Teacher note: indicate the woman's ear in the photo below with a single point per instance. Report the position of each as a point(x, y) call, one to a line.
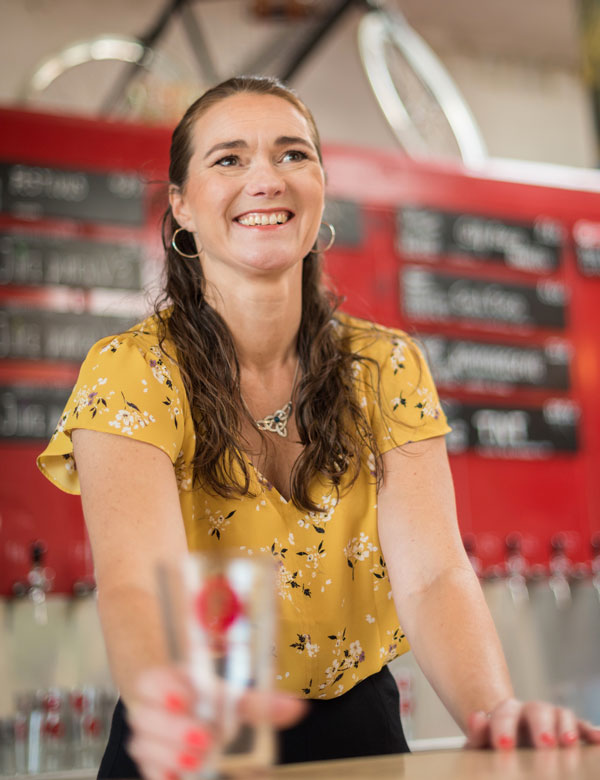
point(179, 208)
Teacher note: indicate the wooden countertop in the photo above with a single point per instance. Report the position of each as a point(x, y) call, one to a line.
point(578, 763)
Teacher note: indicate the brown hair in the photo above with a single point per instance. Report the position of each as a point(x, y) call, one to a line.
point(331, 424)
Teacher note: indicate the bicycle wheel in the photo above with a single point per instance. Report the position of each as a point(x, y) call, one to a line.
point(160, 90)
point(417, 95)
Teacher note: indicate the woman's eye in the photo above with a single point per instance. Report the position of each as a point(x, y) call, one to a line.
point(294, 156)
point(227, 162)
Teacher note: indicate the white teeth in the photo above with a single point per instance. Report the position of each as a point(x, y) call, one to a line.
point(275, 218)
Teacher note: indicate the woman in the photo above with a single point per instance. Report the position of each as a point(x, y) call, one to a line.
point(249, 414)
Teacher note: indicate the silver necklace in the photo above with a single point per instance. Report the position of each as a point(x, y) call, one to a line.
point(277, 422)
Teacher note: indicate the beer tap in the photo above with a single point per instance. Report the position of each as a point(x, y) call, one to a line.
point(517, 569)
point(596, 562)
point(37, 584)
point(560, 571)
point(84, 587)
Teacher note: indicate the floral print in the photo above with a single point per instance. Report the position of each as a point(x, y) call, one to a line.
point(397, 356)
point(358, 549)
point(318, 520)
point(344, 659)
point(217, 523)
point(91, 399)
point(130, 418)
point(159, 369)
point(337, 621)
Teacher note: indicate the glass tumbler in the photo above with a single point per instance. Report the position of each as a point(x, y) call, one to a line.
point(219, 622)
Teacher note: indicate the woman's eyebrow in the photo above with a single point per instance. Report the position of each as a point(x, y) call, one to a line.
point(287, 140)
point(238, 144)
point(282, 140)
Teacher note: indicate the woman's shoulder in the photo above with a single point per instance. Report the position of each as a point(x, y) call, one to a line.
point(148, 335)
point(368, 338)
point(135, 354)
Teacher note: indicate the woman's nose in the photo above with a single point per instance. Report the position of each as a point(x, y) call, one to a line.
point(265, 180)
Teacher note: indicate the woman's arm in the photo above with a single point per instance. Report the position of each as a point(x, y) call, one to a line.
point(443, 612)
point(437, 595)
point(131, 506)
point(132, 512)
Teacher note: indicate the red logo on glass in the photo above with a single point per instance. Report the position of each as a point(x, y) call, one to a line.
point(217, 605)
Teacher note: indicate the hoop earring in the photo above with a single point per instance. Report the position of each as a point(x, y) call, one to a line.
point(331, 240)
point(178, 250)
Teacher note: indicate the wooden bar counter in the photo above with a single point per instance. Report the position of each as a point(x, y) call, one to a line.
point(578, 763)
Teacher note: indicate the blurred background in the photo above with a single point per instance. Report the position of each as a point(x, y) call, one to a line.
point(461, 143)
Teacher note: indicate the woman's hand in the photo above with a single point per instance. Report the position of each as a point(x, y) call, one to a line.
point(167, 740)
point(537, 724)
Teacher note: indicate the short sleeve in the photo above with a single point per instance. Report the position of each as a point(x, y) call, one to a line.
point(128, 387)
point(400, 395)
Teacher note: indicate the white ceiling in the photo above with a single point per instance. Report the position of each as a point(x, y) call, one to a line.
point(542, 31)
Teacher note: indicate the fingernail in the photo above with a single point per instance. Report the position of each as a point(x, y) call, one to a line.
point(547, 739)
point(505, 742)
point(570, 737)
point(171, 776)
point(198, 738)
point(188, 761)
point(174, 702)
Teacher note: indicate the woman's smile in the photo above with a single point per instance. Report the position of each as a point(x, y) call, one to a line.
point(264, 218)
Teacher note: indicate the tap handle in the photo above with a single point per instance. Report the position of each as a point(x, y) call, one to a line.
point(558, 544)
point(38, 553)
point(469, 543)
point(514, 543)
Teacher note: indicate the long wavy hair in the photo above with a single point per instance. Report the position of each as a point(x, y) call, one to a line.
point(332, 427)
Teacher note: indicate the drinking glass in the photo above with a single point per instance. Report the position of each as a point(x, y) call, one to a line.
point(219, 622)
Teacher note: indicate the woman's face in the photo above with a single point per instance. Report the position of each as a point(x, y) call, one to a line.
point(255, 186)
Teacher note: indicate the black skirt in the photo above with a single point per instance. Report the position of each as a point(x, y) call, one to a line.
point(363, 722)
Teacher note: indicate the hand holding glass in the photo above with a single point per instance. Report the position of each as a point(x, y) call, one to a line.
point(218, 613)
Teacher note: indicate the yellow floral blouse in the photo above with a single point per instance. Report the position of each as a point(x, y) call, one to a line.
point(337, 621)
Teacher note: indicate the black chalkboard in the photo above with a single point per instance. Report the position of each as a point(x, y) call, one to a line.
point(35, 192)
point(586, 236)
point(30, 412)
point(588, 260)
point(429, 233)
point(513, 432)
point(28, 259)
point(479, 366)
point(36, 334)
point(449, 298)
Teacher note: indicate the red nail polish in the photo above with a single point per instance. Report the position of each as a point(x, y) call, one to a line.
point(174, 702)
point(570, 737)
point(171, 776)
point(188, 761)
point(547, 739)
point(198, 738)
point(505, 742)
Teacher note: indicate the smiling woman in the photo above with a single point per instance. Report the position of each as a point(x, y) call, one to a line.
point(249, 414)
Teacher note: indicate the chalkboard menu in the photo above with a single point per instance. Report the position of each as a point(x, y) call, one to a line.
point(30, 412)
point(480, 366)
point(38, 334)
point(586, 235)
point(450, 298)
point(430, 233)
point(36, 192)
point(513, 432)
point(31, 259)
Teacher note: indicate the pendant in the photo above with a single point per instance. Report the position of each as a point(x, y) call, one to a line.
point(276, 422)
